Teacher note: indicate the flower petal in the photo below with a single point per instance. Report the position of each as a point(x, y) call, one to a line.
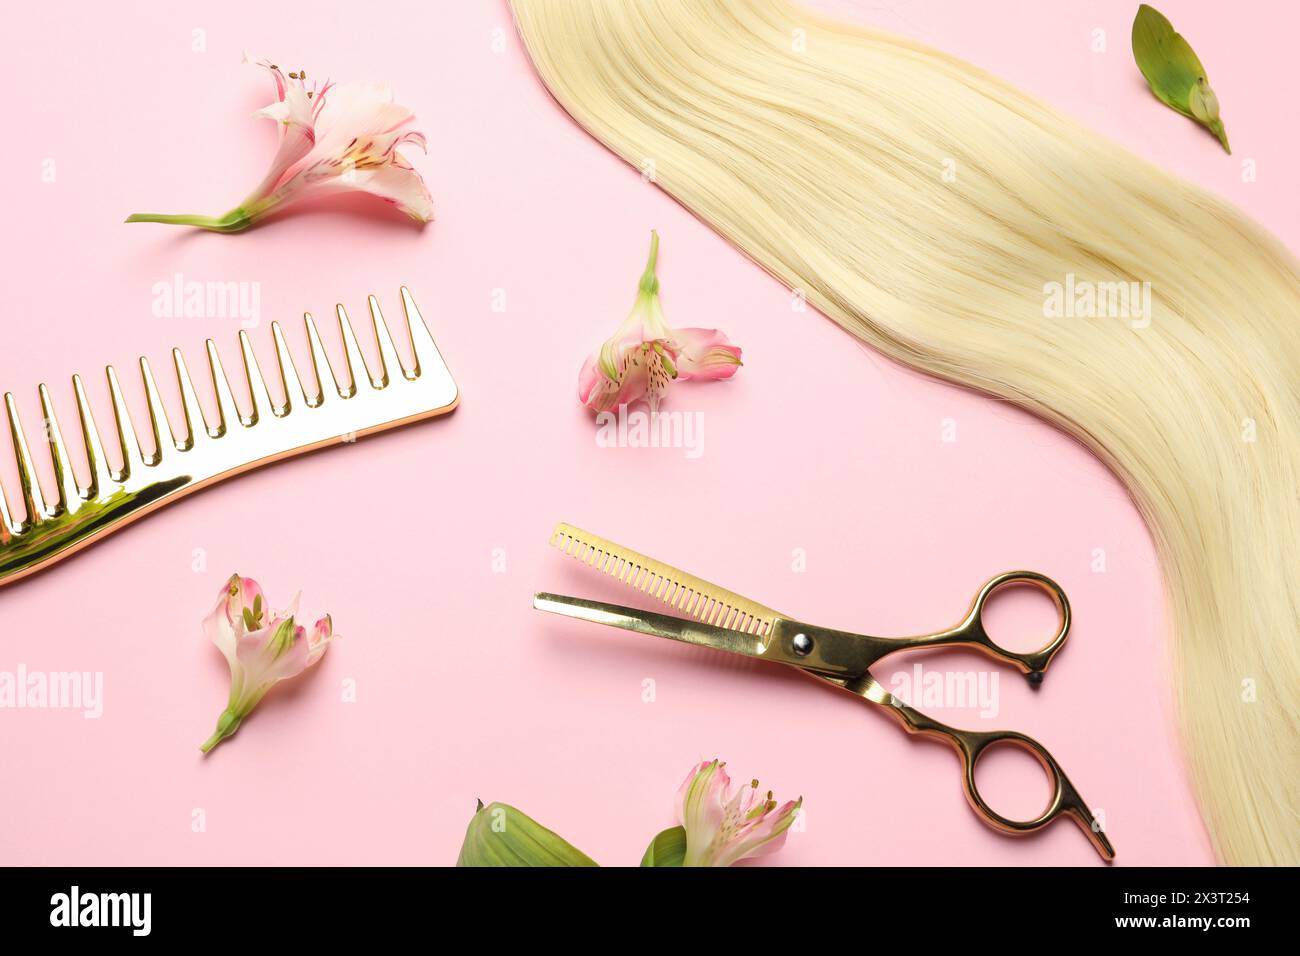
point(589, 378)
point(319, 640)
point(358, 110)
point(294, 112)
point(296, 141)
point(399, 185)
point(265, 664)
point(603, 394)
point(722, 827)
point(767, 836)
point(389, 177)
point(705, 354)
point(220, 626)
point(700, 809)
point(644, 323)
point(239, 604)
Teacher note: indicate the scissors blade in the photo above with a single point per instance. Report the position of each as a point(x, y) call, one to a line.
point(867, 686)
point(689, 595)
point(656, 625)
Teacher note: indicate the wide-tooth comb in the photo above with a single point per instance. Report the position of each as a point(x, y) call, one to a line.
point(206, 453)
point(684, 592)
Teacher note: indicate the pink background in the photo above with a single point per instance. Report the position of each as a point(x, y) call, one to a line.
point(463, 691)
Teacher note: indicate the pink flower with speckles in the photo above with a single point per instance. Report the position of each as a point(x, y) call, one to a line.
point(723, 827)
point(333, 138)
point(645, 355)
point(262, 647)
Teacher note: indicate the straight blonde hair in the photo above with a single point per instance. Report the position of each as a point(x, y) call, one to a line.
point(820, 150)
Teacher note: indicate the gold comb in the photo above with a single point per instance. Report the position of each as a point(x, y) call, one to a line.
point(693, 596)
point(207, 454)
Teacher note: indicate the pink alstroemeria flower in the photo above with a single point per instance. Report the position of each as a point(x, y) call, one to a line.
point(262, 647)
point(723, 828)
point(332, 139)
point(645, 355)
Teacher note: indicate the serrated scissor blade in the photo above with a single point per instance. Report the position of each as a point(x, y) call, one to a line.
point(692, 596)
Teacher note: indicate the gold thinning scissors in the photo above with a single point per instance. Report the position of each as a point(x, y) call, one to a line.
point(725, 621)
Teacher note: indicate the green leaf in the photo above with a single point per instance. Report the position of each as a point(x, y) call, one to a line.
point(1174, 72)
point(666, 849)
point(500, 835)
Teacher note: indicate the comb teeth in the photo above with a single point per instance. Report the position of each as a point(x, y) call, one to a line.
point(683, 592)
point(208, 452)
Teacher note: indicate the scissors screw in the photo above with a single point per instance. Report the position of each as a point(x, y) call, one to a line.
point(803, 644)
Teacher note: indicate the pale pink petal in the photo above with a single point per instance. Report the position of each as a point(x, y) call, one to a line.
point(399, 185)
point(715, 795)
point(396, 183)
point(644, 323)
point(764, 836)
point(294, 113)
point(223, 625)
point(262, 665)
point(415, 139)
point(319, 640)
point(589, 378)
point(296, 142)
point(247, 593)
point(705, 354)
point(355, 111)
point(700, 805)
point(722, 827)
point(236, 596)
point(294, 107)
point(606, 394)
